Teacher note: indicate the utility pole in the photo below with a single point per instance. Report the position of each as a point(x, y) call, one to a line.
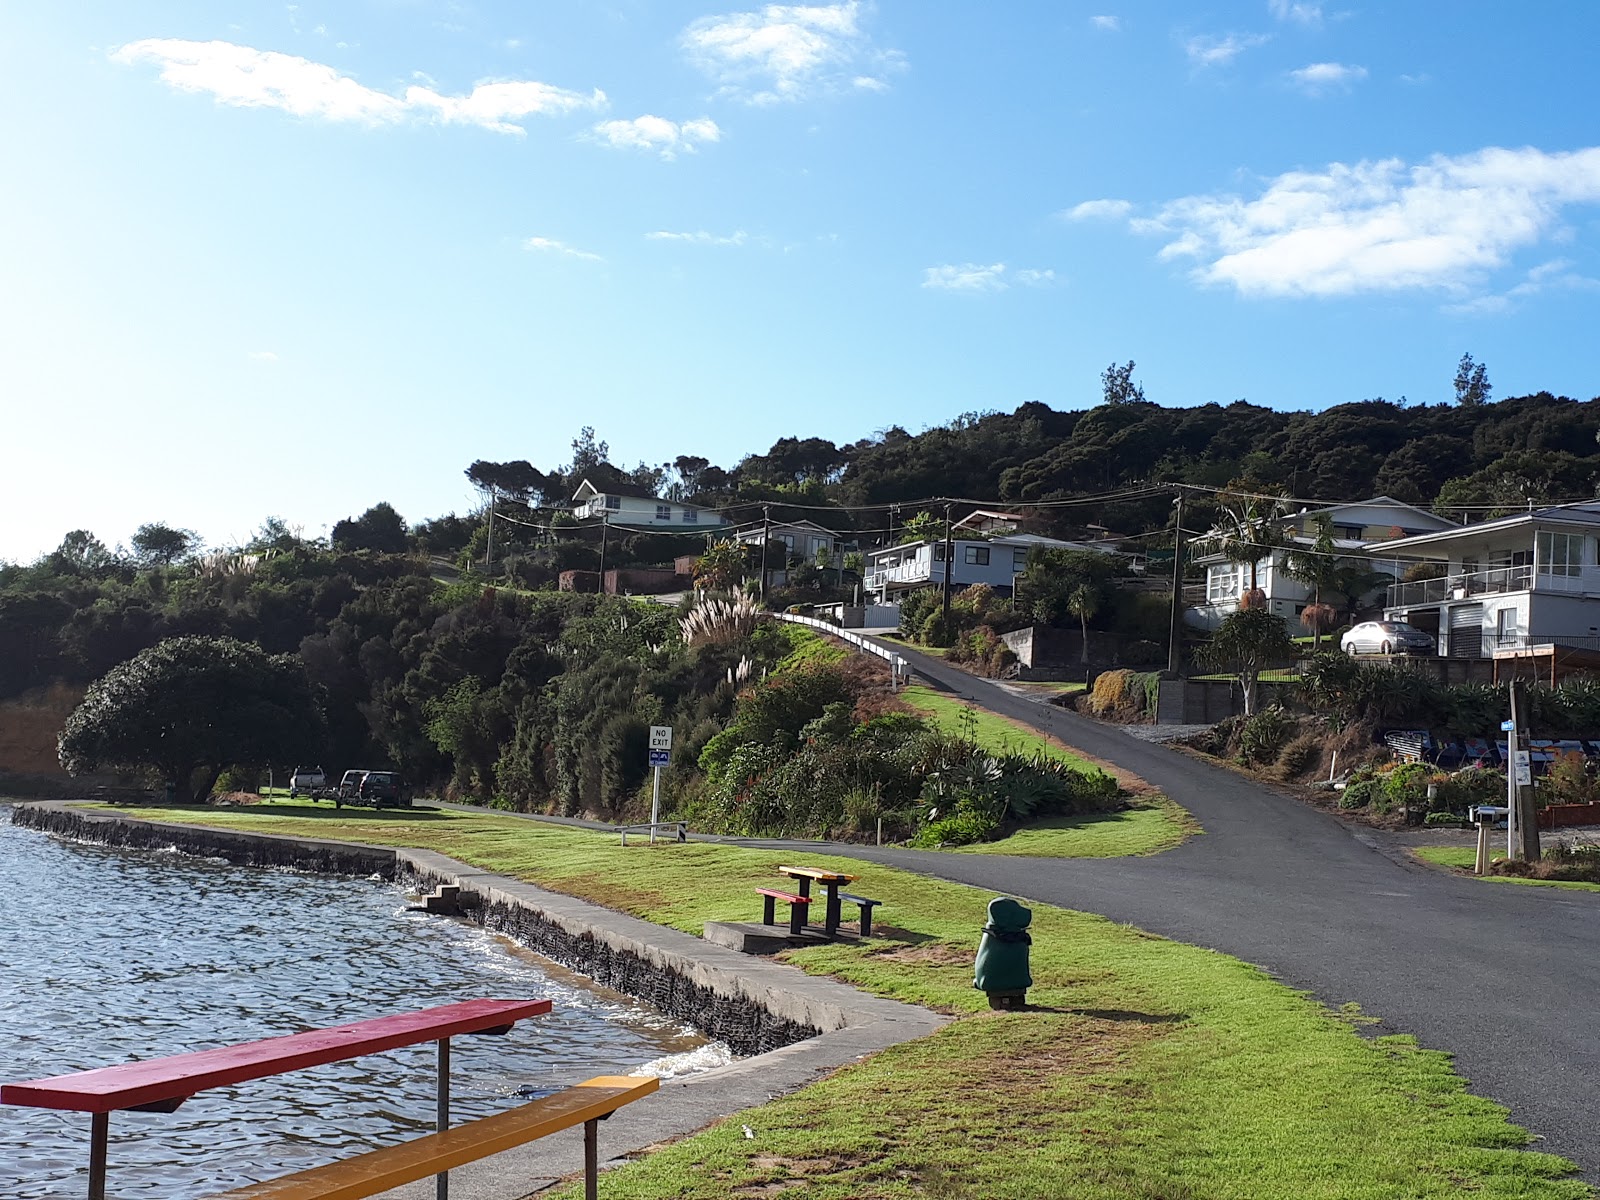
point(949, 553)
point(605, 530)
point(1522, 821)
point(488, 551)
point(766, 536)
point(1175, 631)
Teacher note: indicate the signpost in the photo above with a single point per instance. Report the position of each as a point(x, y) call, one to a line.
point(660, 756)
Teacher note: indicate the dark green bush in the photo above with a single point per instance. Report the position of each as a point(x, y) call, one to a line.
point(1262, 736)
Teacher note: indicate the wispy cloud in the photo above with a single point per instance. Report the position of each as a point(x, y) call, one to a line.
point(1108, 23)
point(1299, 12)
point(976, 278)
point(1097, 210)
point(262, 356)
point(248, 78)
point(1555, 275)
point(1318, 79)
point(1212, 50)
point(701, 237)
point(788, 52)
point(1447, 223)
point(658, 135)
point(546, 245)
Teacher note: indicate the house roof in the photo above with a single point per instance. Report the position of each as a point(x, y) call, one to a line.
point(1584, 515)
point(1017, 540)
point(990, 514)
point(633, 490)
point(1430, 518)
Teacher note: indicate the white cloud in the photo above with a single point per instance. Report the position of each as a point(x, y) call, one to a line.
point(552, 246)
point(701, 238)
point(1107, 23)
point(1555, 275)
point(1097, 210)
point(1320, 78)
point(262, 356)
point(1301, 12)
point(1212, 51)
point(248, 78)
point(968, 277)
point(658, 134)
point(788, 52)
point(1381, 226)
point(977, 278)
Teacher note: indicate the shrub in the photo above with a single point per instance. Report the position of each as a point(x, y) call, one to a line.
point(936, 631)
point(1407, 786)
point(1110, 692)
point(914, 609)
point(1299, 755)
point(1470, 786)
point(1262, 736)
point(1362, 789)
point(1143, 653)
point(1568, 780)
point(1442, 818)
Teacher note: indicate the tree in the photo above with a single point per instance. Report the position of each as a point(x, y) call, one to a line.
point(190, 706)
point(379, 528)
point(1472, 382)
point(587, 454)
point(721, 568)
point(1316, 566)
point(81, 551)
point(1248, 529)
point(1245, 644)
point(158, 545)
point(1082, 603)
point(516, 480)
point(1117, 383)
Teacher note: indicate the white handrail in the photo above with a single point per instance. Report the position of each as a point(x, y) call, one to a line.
point(898, 667)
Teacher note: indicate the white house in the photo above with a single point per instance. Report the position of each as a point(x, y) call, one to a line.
point(637, 508)
point(802, 539)
point(1529, 579)
point(995, 561)
point(988, 522)
point(1370, 527)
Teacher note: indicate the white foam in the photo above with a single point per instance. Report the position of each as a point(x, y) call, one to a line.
point(701, 1058)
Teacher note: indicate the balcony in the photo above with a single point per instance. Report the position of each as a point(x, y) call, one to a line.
point(1572, 581)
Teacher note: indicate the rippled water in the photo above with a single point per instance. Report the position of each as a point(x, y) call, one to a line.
point(107, 956)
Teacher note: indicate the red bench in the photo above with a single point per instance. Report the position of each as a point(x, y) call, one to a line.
point(162, 1084)
point(797, 908)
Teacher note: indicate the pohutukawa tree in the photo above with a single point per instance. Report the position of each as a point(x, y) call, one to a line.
point(190, 706)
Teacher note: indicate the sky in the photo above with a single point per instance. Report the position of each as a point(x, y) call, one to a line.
point(294, 259)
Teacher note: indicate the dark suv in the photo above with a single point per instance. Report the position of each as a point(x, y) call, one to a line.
point(382, 789)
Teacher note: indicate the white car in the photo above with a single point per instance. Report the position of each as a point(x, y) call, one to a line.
point(306, 779)
point(1387, 637)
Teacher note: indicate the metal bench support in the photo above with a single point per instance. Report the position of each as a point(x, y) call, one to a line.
point(441, 1181)
point(591, 1160)
point(99, 1136)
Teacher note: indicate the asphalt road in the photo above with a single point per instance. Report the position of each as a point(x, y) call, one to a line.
point(1501, 976)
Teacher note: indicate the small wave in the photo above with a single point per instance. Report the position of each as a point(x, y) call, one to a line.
point(691, 1062)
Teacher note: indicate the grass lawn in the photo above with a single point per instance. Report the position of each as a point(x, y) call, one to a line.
point(1153, 825)
point(1463, 858)
point(1149, 1070)
point(1266, 677)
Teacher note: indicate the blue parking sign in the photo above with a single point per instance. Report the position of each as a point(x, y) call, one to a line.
point(660, 758)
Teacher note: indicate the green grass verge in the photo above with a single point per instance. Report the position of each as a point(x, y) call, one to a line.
point(1149, 1070)
point(1463, 858)
point(1152, 825)
point(809, 648)
point(1266, 677)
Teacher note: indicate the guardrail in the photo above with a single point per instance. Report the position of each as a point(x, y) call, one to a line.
point(899, 669)
point(680, 829)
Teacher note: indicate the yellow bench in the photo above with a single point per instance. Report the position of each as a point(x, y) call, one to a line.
point(377, 1171)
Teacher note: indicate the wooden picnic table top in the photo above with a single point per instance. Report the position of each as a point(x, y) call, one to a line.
point(816, 873)
point(162, 1081)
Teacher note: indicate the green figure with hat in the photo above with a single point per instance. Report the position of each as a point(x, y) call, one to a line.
point(1001, 968)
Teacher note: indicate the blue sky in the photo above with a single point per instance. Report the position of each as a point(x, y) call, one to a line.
point(295, 259)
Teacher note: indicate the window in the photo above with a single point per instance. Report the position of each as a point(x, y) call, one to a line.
point(977, 556)
point(1019, 561)
point(938, 552)
point(1222, 583)
point(1505, 626)
point(1560, 553)
point(691, 516)
point(663, 512)
point(613, 502)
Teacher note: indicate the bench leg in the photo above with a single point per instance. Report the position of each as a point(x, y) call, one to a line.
point(830, 919)
point(866, 920)
point(769, 914)
point(797, 917)
point(441, 1181)
point(591, 1160)
point(99, 1137)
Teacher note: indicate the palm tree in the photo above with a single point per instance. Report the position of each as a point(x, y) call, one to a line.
point(1248, 529)
point(1319, 568)
point(1083, 602)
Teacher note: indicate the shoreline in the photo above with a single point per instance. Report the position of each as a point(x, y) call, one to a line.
point(794, 1026)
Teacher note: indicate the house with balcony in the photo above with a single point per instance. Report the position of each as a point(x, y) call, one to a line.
point(1367, 528)
point(638, 509)
point(997, 561)
point(802, 540)
point(1532, 579)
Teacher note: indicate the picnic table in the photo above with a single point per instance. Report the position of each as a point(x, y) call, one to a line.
point(831, 880)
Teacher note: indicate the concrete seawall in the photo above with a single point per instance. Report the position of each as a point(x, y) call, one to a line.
point(795, 1026)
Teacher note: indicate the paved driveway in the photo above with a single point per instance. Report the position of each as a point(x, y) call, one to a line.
point(1502, 976)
